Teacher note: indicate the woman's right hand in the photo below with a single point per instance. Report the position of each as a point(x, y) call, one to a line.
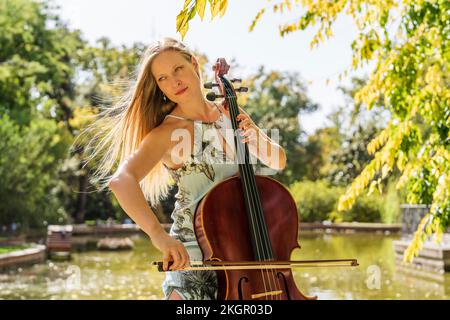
point(172, 250)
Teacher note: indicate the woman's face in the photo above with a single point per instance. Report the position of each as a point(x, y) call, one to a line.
point(175, 76)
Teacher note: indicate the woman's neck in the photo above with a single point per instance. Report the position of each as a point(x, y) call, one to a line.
point(197, 110)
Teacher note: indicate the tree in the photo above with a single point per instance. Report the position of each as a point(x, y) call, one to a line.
point(408, 43)
point(357, 128)
point(321, 145)
point(36, 85)
point(349, 160)
point(29, 173)
point(275, 101)
point(36, 51)
point(105, 68)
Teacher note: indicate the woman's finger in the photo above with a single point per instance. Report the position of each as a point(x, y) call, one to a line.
point(182, 256)
point(176, 259)
point(166, 259)
point(245, 124)
point(186, 258)
point(241, 117)
point(249, 135)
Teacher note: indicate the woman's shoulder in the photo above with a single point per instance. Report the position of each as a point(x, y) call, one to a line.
point(169, 125)
point(164, 132)
point(160, 134)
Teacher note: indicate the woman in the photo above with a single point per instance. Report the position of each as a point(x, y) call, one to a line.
point(166, 103)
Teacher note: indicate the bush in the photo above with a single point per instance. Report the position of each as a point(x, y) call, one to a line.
point(366, 209)
point(29, 162)
point(317, 201)
point(390, 211)
point(314, 200)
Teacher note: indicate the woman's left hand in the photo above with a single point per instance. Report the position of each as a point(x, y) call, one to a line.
point(249, 130)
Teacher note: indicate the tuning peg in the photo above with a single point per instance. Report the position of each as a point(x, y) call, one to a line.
point(236, 80)
point(210, 85)
point(242, 89)
point(211, 96)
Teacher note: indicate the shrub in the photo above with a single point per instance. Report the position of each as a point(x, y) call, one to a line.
point(314, 200)
point(317, 201)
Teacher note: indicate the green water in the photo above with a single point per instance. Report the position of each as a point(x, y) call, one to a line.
point(128, 274)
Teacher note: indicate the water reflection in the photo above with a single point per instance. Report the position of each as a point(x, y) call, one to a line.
point(128, 274)
point(377, 276)
point(89, 275)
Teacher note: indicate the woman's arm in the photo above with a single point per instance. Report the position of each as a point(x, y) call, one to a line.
point(128, 192)
point(125, 182)
point(126, 188)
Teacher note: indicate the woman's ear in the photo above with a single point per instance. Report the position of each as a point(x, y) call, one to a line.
point(194, 61)
point(196, 67)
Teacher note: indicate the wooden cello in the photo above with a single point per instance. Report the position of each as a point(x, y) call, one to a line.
point(247, 227)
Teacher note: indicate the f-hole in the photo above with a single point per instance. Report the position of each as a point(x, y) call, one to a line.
point(240, 287)
point(285, 284)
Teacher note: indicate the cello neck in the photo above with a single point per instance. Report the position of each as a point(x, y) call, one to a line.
point(262, 248)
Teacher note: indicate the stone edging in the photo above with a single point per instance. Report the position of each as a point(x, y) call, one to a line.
point(30, 255)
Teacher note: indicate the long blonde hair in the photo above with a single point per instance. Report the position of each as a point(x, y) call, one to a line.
point(120, 128)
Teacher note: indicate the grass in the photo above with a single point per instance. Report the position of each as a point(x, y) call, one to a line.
point(8, 249)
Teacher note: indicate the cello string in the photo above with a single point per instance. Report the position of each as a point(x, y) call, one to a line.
point(264, 229)
point(244, 176)
point(246, 167)
point(260, 216)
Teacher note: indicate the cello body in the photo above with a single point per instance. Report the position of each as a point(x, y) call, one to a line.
point(224, 233)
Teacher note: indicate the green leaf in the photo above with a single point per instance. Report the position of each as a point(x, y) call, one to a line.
point(191, 13)
point(184, 30)
point(181, 19)
point(257, 18)
point(201, 4)
point(215, 8)
point(223, 7)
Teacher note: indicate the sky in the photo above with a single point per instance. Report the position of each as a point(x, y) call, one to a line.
point(126, 22)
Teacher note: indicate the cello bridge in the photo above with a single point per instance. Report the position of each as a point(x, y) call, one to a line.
point(265, 294)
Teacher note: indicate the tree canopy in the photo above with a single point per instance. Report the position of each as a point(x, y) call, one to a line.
point(407, 41)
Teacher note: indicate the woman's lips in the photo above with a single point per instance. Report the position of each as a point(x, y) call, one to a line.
point(181, 91)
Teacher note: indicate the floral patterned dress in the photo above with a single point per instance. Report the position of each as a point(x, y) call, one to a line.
point(207, 166)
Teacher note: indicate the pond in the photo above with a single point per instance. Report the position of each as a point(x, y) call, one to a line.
point(129, 275)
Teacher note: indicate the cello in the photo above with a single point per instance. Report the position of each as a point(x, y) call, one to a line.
point(247, 227)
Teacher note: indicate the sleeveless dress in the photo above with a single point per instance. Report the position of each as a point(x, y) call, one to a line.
point(207, 166)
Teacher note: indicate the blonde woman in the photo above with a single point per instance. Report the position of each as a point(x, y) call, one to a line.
point(166, 104)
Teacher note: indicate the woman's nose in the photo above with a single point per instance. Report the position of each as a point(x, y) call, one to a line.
point(176, 83)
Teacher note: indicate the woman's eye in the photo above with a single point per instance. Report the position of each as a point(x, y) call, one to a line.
point(176, 69)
